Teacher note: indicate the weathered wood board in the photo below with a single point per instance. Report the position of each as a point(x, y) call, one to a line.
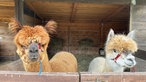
point(138, 19)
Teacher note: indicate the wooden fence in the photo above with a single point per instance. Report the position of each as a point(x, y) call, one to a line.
point(13, 76)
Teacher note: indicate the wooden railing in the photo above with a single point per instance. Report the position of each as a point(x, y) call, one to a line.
point(19, 76)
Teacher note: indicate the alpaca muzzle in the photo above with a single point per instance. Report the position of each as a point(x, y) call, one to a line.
point(33, 52)
point(130, 61)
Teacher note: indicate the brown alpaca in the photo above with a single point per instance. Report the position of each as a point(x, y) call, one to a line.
point(32, 42)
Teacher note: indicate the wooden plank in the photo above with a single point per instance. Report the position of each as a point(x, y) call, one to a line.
point(140, 33)
point(7, 46)
point(116, 12)
point(4, 19)
point(6, 0)
point(9, 58)
point(7, 3)
point(73, 12)
point(140, 2)
point(77, 11)
point(139, 25)
point(20, 76)
point(114, 77)
point(90, 1)
point(19, 5)
point(138, 13)
point(141, 47)
point(6, 10)
point(138, 20)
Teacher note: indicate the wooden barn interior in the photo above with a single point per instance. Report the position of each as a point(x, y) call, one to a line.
point(83, 25)
point(79, 24)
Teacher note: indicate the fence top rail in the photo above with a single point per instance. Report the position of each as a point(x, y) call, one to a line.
point(70, 73)
point(22, 76)
point(43, 73)
point(114, 73)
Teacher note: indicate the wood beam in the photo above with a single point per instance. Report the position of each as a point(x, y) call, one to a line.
point(4, 19)
point(7, 4)
point(19, 11)
point(89, 1)
point(73, 11)
point(113, 13)
point(101, 31)
point(30, 5)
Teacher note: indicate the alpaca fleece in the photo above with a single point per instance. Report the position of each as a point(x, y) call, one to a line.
point(24, 35)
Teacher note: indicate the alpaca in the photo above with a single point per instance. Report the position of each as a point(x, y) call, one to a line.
point(119, 49)
point(32, 42)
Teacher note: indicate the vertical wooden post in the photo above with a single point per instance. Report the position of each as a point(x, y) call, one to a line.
point(101, 34)
point(68, 33)
point(130, 24)
point(19, 5)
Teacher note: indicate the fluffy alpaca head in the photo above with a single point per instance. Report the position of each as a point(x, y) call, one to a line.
point(31, 42)
point(120, 44)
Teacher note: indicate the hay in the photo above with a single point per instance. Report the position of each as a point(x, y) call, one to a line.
point(83, 61)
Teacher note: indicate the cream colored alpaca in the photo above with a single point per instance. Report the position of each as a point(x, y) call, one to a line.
point(119, 50)
point(31, 45)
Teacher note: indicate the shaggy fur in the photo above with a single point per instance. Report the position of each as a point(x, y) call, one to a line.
point(51, 27)
point(116, 44)
point(25, 35)
point(121, 43)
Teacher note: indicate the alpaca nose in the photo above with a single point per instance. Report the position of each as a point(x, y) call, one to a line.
point(33, 51)
point(130, 60)
point(33, 48)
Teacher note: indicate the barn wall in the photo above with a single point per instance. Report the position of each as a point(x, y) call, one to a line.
point(138, 22)
point(72, 33)
point(118, 27)
point(30, 17)
point(7, 10)
point(7, 46)
point(28, 20)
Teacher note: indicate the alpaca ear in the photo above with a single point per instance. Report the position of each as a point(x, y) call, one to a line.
point(131, 34)
point(110, 35)
point(14, 25)
point(51, 27)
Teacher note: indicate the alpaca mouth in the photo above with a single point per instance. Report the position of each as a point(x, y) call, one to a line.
point(34, 59)
point(131, 64)
point(128, 64)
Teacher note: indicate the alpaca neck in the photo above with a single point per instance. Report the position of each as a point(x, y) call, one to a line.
point(112, 66)
point(35, 66)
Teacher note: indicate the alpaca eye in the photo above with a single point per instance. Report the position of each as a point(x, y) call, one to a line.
point(24, 47)
point(114, 50)
point(125, 52)
point(43, 45)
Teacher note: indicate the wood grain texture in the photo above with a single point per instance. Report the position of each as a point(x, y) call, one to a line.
point(7, 10)
point(78, 11)
point(113, 77)
point(7, 46)
point(138, 23)
point(16, 76)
